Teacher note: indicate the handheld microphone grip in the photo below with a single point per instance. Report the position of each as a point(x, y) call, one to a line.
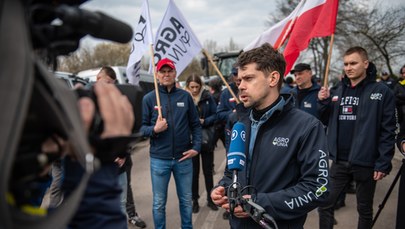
point(236, 161)
point(236, 156)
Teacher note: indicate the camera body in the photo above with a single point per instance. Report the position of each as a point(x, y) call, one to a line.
point(134, 95)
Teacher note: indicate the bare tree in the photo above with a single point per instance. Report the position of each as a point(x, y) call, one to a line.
point(383, 31)
point(193, 68)
point(379, 30)
point(232, 46)
point(211, 46)
point(112, 54)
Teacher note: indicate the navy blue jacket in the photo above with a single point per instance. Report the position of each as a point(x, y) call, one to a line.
point(375, 124)
point(184, 131)
point(309, 103)
point(289, 166)
point(226, 103)
point(207, 109)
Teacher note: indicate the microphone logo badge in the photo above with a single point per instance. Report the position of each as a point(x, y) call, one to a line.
point(243, 135)
point(235, 135)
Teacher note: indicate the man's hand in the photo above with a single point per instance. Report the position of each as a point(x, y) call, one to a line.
point(115, 110)
point(161, 125)
point(239, 212)
point(219, 198)
point(188, 154)
point(379, 175)
point(120, 161)
point(323, 93)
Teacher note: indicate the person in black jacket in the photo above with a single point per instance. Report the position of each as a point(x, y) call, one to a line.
point(206, 107)
point(387, 79)
point(361, 134)
point(286, 150)
point(399, 92)
point(306, 91)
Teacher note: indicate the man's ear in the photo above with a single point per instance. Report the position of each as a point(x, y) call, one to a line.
point(366, 63)
point(274, 78)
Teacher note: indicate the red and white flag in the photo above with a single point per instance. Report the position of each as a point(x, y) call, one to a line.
point(311, 18)
point(175, 39)
point(142, 40)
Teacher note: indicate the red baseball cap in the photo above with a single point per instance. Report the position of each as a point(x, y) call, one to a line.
point(164, 62)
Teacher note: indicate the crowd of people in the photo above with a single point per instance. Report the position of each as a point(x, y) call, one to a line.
point(322, 141)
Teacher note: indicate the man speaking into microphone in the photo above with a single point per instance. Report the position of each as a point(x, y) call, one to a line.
point(286, 150)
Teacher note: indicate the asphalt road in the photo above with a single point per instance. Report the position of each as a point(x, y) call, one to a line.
point(208, 219)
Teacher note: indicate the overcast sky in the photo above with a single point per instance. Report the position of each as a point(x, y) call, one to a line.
point(217, 20)
point(210, 19)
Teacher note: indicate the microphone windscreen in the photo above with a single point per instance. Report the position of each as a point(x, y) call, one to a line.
point(236, 156)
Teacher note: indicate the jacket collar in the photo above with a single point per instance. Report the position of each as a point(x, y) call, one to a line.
point(163, 89)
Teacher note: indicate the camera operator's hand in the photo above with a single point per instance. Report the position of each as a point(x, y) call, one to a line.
point(115, 110)
point(219, 198)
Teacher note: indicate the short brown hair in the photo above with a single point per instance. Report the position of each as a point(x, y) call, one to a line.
point(109, 72)
point(357, 49)
point(267, 60)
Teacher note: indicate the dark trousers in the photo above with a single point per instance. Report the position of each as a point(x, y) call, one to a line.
point(219, 134)
point(207, 159)
point(130, 205)
point(341, 173)
point(401, 199)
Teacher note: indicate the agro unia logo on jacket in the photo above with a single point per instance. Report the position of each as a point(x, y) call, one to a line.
point(281, 141)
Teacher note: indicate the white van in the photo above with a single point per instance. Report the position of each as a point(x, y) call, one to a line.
point(146, 80)
point(91, 74)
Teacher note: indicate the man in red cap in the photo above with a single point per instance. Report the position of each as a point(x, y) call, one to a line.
point(171, 148)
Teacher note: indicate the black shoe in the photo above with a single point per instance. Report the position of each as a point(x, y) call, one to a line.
point(196, 207)
point(225, 215)
point(211, 205)
point(137, 221)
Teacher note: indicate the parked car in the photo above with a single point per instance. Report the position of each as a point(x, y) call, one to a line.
point(91, 74)
point(146, 80)
point(70, 79)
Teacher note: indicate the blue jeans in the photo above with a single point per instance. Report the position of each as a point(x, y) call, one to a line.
point(183, 175)
point(122, 182)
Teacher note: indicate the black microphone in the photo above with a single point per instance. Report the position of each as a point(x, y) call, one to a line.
point(96, 24)
point(236, 160)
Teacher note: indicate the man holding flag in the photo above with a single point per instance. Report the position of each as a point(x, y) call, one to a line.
point(171, 148)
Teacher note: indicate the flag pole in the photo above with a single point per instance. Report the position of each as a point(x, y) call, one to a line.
point(220, 75)
point(326, 79)
point(155, 81)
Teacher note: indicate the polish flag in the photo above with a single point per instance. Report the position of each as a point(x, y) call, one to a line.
point(311, 18)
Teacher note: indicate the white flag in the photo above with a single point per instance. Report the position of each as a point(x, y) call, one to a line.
point(142, 40)
point(278, 33)
point(175, 39)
